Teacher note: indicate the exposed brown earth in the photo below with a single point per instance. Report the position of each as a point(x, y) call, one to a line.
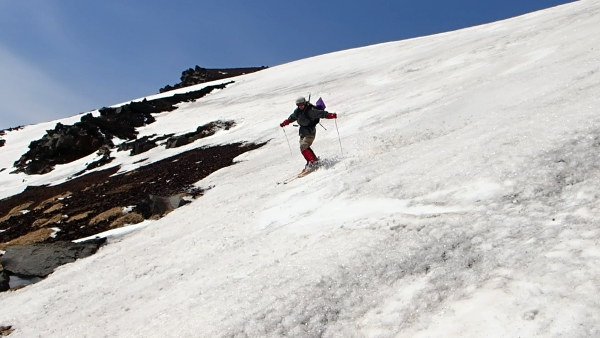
point(90, 204)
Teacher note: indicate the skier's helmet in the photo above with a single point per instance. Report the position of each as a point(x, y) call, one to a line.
point(300, 100)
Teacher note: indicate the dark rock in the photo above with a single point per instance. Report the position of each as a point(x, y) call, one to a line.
point(105, 158)
point(3, 132)
point(211, 128)
point(197, 75)
point(154, 205)
point(138, 146)
point(5, 330)
point(65, 144)
point(201, 132)
point(122, 121)
point(142, 145)
point(3, 281)
point(40, 260)
point(178, 141)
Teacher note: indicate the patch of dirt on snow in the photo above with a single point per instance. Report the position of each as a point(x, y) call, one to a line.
point(75, 207)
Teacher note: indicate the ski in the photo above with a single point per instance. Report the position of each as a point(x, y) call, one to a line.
point(323, 163)
point(304, 173)
point(288, 180)
point(300, 175)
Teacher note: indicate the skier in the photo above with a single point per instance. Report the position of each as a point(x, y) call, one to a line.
point(307, 116)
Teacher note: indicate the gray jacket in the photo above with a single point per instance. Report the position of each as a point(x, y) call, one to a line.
point(307, 118)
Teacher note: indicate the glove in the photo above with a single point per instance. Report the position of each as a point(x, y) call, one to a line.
point(284, 123)
point(332, 116)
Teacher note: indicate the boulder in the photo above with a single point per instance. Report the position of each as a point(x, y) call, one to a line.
point(142, 145)
point(203, 131)
point(156, 206)
point(40, 260)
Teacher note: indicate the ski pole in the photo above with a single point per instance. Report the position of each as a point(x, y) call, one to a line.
point(339, 139)
point(288, 141)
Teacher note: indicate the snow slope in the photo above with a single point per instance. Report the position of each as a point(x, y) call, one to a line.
point(462, 200)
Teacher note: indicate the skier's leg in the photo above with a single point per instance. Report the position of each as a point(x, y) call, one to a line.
point(306, 142)
point(307, 152)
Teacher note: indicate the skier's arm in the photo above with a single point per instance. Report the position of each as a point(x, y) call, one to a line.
point(289, 120)
point(322, 114)
point(293, 117)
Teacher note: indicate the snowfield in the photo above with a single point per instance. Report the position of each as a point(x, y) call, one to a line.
point(462, 199)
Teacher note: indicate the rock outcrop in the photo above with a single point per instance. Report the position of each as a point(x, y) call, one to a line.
point(65, 144)
point(197, 75)
point(40, 260)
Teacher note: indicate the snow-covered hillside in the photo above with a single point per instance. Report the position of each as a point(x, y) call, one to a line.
point(462, 199)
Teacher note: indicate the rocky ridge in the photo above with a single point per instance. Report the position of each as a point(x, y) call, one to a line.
point(197, 75)
point(44, 220)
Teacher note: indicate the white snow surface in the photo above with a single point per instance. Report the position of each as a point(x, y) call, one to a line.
point(461, 200)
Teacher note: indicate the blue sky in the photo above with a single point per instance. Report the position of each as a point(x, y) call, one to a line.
point(59, 58)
